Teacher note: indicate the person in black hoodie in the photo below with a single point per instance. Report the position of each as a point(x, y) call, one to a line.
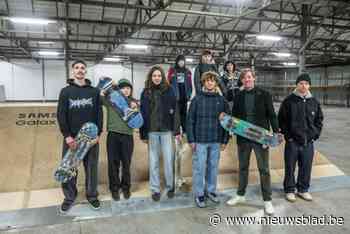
point(300, 119)
point(180, 80)
point(254, 105)
point(206, 64)
point(79, 103)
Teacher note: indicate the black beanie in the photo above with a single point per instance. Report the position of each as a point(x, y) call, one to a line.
point(303, 77)
point(124, 83)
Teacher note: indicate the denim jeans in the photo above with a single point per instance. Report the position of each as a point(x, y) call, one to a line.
point(262, 159)
point(294, 153)
point(205, 162)
point(161, 142)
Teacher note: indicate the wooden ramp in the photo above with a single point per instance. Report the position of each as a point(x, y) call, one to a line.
point(30, 149)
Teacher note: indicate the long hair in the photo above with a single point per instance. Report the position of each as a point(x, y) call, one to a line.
point(245, 71)
point(164, 84)
point(228, 62)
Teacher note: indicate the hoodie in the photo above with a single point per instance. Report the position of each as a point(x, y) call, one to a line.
point(78, 105)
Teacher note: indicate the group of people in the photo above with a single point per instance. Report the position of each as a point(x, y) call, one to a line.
point(164, 107)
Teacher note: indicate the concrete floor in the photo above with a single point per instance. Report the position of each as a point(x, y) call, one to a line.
point(332, 198)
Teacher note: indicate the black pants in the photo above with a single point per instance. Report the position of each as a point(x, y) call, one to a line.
point(183, 113)
point(262, 158)
point(119, 150)
point(304, 155)
point(90, 163)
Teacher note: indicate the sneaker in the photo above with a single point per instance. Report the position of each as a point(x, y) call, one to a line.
point(95, 204)
point(236, 200)
point(200, 202)
point(65, 207)
point(306, 196)
point(116, 195)
point(126, 194)
point(269, 210)
point(155, 196)
point(213, 197)
point(291, 197)
point(171, 194)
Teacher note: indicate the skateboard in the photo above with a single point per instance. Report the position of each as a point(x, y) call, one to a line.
point(179, 153)
point(120, 103)
point(72, 158)
point(249, 131)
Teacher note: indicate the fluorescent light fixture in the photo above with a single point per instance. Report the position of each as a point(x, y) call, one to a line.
point(46, 42)
point(280, 54)
point(136, 47)
point(269, 37)
point(189, 60)
point(162, 30)
point(48, 53)
point(289, 64)
point(39, 21)
point(112, 59)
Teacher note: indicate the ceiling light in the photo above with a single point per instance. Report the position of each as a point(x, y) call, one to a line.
point(280, 54)
point(289, 64)
point(30, 20)
point(189, 60)
point(112, 59)
point(136, 47)
point(268, 37)
point(48, 53)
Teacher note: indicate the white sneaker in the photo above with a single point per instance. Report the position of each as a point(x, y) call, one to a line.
point(306, 196)
point(269, 210)
point(236, 200)
point(290, 197)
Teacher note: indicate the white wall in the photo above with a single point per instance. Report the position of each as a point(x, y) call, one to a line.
point(23, 79)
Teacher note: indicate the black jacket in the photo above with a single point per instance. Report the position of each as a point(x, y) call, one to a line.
point(203, 125)
point(78, 105)
point(300, 119)
point(168, 111)
point(265, 115)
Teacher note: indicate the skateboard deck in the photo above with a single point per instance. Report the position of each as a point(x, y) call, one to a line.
point(120, 104)
point(249, 131)
point(179, 153)
point(72, 158)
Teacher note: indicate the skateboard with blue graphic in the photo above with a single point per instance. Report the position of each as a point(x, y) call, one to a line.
point(249, 131)
point(120, 103)
point(85, 139)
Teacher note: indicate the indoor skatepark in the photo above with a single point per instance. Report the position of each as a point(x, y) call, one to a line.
point(31, 144)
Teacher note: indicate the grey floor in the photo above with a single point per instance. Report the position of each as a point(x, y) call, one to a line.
point(331, 197)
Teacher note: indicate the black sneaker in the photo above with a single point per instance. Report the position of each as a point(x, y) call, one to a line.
point(95, 204)
point(115, 195)
point(171, 194)
point(65, 207)
point(126, 194)
point(155, 196)
point(200, 202)
point(213, 197)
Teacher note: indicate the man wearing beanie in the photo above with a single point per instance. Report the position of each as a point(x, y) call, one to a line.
point(179, 78)
point(120, 145)
point(300, 119)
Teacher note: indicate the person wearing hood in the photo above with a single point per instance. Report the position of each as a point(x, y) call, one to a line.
point(231, 81)
point(78, 104)
point(207, 63)
point(206, 137)
point(179, 77)
point(300, 119)
point(254, 105)
point(160, 114)
point(120, 144)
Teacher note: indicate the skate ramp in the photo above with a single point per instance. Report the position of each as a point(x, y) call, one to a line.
point(31, 144)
